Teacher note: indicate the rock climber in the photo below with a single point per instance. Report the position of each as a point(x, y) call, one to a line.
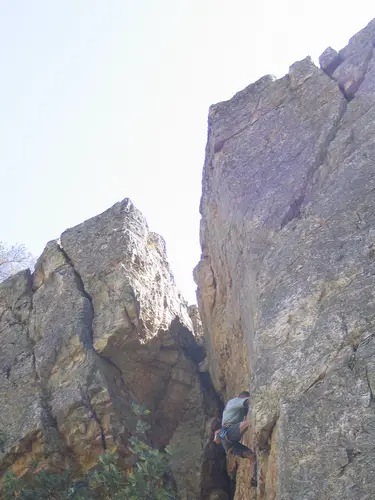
point(234, 425)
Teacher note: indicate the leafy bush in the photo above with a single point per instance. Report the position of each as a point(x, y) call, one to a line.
point(148, 480)
point(149, 477)
point(44, 485)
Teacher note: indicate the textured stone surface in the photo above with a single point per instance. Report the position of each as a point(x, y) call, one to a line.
point(286, 278)
point(101, 324)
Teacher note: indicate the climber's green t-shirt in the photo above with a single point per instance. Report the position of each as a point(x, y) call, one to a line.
point(234, 411)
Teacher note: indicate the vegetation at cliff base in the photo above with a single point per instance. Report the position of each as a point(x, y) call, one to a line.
point(147, 480)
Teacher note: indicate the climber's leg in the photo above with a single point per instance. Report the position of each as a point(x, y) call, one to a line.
point(237, 449)
point(240, 450)
point(244, 426)
point(234, 436)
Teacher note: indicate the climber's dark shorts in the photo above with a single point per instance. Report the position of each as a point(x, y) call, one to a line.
point(234, 432)
point(231, 442)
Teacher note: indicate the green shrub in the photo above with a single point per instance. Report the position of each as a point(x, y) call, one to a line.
point(44, 485)
point(148, 480)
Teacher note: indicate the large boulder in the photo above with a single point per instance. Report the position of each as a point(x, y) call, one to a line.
point(99, 325)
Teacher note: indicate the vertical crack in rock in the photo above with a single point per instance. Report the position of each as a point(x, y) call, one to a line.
point(26, 325)
point(369, 386)
point(186, 340)
point(267, 457)
point(266, 433)
point(55, 442)
point(214, 286)
point(351, 455)
point(295, 208)
point(24, 321)
point(15, 353)
point(81, 288)
point(31, 343)
point(87, 402)
point(256, 115)
point(41, 434)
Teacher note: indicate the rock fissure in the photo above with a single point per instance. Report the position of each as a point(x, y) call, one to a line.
point(295, 208)
point(31, 344)
point(87, 401)
point(81, 288)
point(366, 340)
point(369, 386)
point(214, 286)
point(256, 115)
point(264, 438)
point(351, 455)
point(319, 378)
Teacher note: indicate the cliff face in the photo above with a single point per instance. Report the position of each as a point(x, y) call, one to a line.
point(286, 278)
point(101, 324)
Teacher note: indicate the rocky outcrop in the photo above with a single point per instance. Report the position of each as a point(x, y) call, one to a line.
point(98, 325)
point(286, 278)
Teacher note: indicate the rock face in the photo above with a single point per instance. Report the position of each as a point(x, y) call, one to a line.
point(287, 274)
point(101, 324)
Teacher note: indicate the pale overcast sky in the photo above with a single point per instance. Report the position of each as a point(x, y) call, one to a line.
point(107, 99)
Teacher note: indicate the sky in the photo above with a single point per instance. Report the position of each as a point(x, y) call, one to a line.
point(107, 99)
